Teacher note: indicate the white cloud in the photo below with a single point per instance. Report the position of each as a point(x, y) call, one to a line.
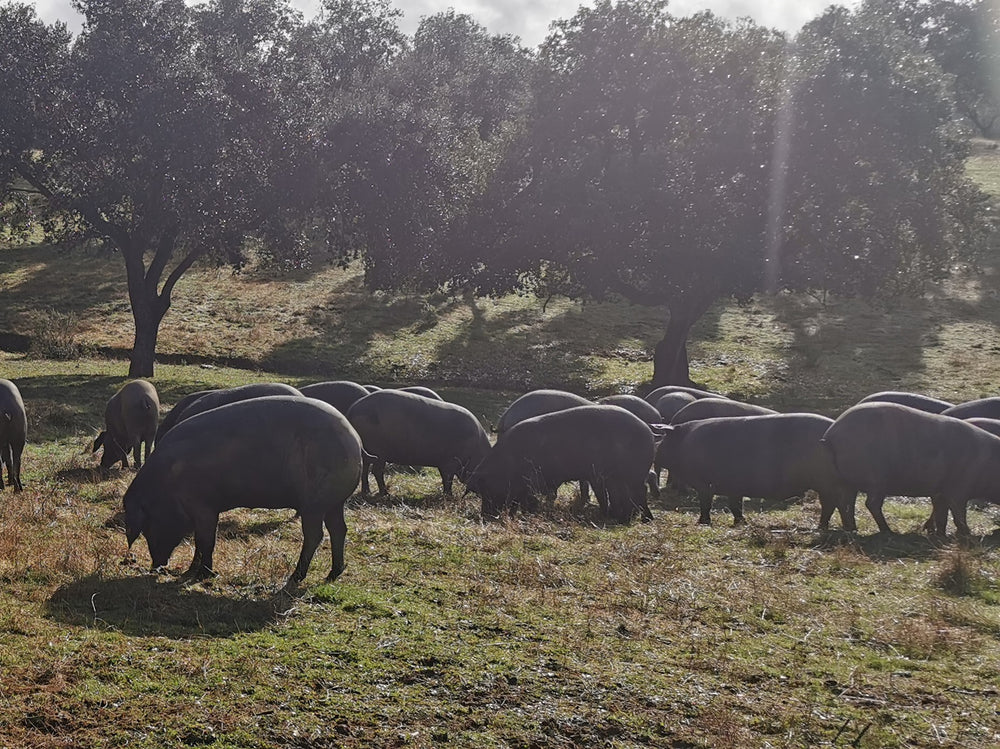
point(530, 19)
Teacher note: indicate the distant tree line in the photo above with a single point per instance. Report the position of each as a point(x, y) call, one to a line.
point(635, 154)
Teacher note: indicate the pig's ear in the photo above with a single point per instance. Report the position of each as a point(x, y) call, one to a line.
point(99, 441)
point(661, 430)
point(135, 519)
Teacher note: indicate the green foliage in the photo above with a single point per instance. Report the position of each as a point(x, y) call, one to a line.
point(477, 77)
point(877, 201)
point(634, 174)
point(668, 161)
point(178, 133)
point(678, 161)
point(356, 40)
point(963, 38)
point(159, 140)
point(32, 61)
point(422, 141)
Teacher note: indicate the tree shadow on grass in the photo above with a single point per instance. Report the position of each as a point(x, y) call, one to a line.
point(90, 279)
point(91, 475)
point(508, 344)
point(888, 546)
point(844, 349)
point(234, 528)
point(522, 348)
point(57, 404)
point(346, 324)
point(877, 546)
point(881, 546)
point(145, 606)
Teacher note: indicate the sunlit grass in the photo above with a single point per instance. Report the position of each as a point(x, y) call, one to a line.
point(984, 166)
point(645, 635)
point(656, 634)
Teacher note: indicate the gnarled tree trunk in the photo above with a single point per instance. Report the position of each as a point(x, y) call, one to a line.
point(150, 302)
point(147, 317)
point(670, 359)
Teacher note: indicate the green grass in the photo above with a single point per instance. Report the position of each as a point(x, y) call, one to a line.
point(540, 631)
point(984, 166)
point(544, 631)
point(784, 351)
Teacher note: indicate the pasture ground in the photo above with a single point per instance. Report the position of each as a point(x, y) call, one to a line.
point(540, 631)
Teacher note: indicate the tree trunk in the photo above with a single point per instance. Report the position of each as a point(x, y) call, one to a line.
point(670, 360)
point(148, 305)
point(147, 317)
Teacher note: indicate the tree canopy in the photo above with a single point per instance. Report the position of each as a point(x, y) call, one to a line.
point(638, 155)
point(963, 38)
point(675, 161)
point(876, 196)
point(428, 132)
point(170, 133)
point(160, 139)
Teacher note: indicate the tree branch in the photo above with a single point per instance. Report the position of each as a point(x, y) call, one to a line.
point(32, 178)
point(164, 251)
point(634, 295)
point(180, 270)
point(118, 235)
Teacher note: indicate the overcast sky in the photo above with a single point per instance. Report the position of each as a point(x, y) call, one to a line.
point(529, 19)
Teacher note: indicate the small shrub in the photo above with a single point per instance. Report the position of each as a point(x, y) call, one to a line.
point(916, 636)
point(960, 573)
point(774, 547)
point(53, 335)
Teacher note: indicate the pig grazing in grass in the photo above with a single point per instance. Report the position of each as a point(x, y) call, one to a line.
point(938, 520)
point(193, 404)
point(772, 456)
point(341, 394)
point(984, 408)
point(223, 397)
point(634, 405)
point(670, 403)
point(887, 449)
point(421, 390)
point(406, 428)
point(697, 410)
point(272, 452)
point(713, 408)
point(654, 396)
point(167, 422)
point(130, 420)
point(536, 403)
point(606, 446)
point(913, 400)
point(13, 433)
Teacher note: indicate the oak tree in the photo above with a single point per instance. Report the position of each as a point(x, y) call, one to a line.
point(680, 161)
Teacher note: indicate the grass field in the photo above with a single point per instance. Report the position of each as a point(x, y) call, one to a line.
point(539, 631)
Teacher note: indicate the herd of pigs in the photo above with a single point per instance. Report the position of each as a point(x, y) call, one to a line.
point(274, 446)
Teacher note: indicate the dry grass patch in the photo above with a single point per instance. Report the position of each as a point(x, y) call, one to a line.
point(537, 630)
point(967, 572)
point(984, 165)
